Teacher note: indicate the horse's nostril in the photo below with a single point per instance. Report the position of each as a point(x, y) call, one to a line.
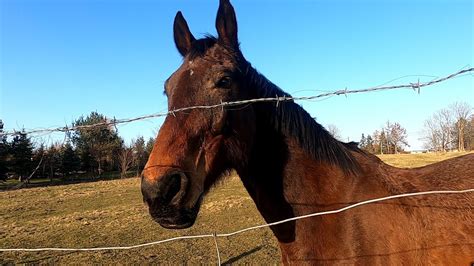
point(172, 188)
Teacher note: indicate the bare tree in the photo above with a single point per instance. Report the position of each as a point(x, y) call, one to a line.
point(432, 135)
point(125, 159)
point(439, 131)
point(380, 142)
point(334, 131)
point(469, 133)
point(398, 136)
point(461, 112)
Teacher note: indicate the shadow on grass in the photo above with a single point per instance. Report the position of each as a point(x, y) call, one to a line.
point(12, 184)
point(38, 260)
point(240, 256)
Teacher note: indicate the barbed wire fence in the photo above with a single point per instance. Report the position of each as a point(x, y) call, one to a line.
point(416, 86)
point(215, 235)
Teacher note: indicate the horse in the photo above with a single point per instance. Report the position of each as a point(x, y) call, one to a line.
point(290, 165)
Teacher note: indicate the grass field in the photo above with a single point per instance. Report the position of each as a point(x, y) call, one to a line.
point(111, 213)
point(417, 160)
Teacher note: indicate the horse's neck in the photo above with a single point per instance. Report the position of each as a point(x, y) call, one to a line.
point(285, 182)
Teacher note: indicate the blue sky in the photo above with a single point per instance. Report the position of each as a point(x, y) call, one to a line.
point(63, 59)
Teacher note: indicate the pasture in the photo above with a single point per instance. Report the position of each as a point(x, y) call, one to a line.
point(111, 213)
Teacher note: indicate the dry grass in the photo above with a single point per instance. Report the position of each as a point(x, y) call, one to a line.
point(111, 213)
point(417, 160)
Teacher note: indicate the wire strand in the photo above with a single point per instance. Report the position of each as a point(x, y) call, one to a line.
point(416, 86)
point(215, 236)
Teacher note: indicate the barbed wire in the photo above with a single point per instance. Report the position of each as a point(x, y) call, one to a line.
point(416, 86)
point(215, 235)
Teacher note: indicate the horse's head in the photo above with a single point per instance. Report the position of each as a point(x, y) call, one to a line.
point(195, 147)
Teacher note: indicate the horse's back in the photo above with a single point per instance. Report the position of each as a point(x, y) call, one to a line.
point(441, 225)
point(452, 174)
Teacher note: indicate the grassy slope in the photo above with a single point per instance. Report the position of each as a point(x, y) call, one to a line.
point(417, 160)
point(111, 213)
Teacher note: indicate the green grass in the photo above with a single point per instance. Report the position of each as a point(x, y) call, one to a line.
point(111, 213)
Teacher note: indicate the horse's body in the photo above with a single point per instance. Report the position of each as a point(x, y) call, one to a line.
point(417, 230)
point(291, 166)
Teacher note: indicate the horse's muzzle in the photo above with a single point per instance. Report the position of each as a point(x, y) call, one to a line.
point(165, 197)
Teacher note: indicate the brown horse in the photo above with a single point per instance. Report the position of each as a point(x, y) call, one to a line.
point(290, 166)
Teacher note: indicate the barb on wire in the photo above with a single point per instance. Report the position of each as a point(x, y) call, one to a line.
point(215, 236)
point(415, 86)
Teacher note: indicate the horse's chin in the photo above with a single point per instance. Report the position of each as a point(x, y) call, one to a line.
point(177, 218)
point(170, 224)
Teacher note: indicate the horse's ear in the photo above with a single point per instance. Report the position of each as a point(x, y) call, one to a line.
point(183, 38)
point(226, 23)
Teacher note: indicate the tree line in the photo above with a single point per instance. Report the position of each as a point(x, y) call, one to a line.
point(86, 152)
point(448, 129)
point(99, 149)
point(390, 139)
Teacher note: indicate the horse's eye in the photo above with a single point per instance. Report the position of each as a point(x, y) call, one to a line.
point(224, 83)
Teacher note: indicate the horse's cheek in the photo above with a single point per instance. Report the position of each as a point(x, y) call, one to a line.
point(212, 151)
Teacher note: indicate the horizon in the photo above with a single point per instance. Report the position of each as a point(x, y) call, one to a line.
point(59, 54)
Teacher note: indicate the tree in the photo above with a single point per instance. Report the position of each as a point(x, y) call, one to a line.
point(469, 134)
point(461, 112)
point(432, 135)
point(363, 142)
point(445, 121)
point(380, 142)
point(369, 144)
point(86, 159)
point(139, 154)
point(70, 161)
point(100, 141)
point(125, 158)
point(149, 148)
point(398, 136)
point(440, 131)
point(39, 160)
point(334, 131)
point(52, 160)
point(4, 153)
point(22, 153)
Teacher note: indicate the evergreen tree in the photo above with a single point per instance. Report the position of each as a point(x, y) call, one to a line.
point(149, 148)
point(4, 153)
point(363, 142)
point(370, 147)
point(52, 161)
point(86, 159)
point(139, 154)
point(22, 153)
point(101, 142)
point(70, 161)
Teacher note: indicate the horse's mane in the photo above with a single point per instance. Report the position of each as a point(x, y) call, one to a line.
point(288, 117)
point(200, 46)
point(292, 120)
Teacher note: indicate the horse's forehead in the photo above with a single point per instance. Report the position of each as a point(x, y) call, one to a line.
point(215, 56)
